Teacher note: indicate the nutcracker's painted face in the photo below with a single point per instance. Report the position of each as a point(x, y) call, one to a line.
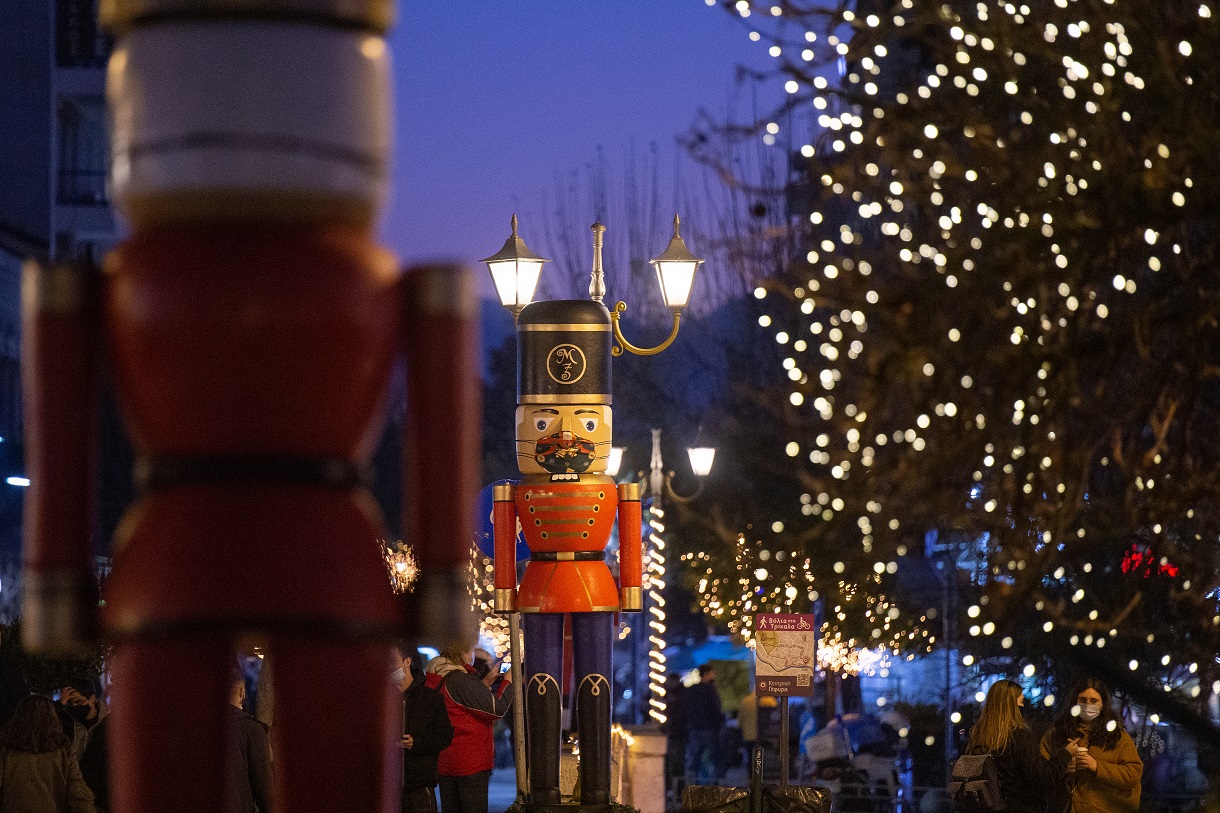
point(563, 438)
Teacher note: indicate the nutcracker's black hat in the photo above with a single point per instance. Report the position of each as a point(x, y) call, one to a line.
point(563, 353)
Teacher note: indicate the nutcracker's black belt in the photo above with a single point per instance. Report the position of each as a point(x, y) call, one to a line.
point(156, 473)
point(569, 556)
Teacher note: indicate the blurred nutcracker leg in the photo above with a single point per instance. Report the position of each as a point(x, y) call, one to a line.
point(168, 737)
point(331, 739)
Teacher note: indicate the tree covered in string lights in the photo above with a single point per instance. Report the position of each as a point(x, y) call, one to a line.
point(1001, 321)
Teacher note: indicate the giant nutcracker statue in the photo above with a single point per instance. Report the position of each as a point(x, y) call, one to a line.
point(566, 506)
point(249, 323)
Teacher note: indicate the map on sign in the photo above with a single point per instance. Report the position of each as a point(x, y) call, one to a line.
point(779, 653)
point(785, 653)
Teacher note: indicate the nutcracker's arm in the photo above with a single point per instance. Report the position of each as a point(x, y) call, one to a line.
point(443, 423)
point(504, 529)
point(61, 326)
point(630, 548)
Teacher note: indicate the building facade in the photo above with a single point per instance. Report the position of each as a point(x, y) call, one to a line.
point(53, 200)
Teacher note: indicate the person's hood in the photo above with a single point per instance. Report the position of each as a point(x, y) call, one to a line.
point(443, 666)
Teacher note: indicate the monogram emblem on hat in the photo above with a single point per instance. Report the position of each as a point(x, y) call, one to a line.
point(565, 363)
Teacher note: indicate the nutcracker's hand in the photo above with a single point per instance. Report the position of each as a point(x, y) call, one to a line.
point(631, 599)
point(505, 600)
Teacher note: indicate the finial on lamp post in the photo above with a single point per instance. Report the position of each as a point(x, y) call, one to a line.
point(597, 284)
point(656, 471)
point(660, 481)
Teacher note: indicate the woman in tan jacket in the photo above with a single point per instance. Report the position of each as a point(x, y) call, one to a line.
point(38, 772)
point(1106, 773)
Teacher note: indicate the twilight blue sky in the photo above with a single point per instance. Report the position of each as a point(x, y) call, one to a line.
point(495, 99)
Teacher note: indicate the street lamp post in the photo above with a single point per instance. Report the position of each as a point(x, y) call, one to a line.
point(660, 484)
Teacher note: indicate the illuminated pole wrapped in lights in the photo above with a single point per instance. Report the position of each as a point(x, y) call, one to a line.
point(701, 458)
point(655, 584)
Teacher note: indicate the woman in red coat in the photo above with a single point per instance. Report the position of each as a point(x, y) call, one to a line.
point(474, 705)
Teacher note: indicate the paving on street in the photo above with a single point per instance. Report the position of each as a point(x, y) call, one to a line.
point(502, 791)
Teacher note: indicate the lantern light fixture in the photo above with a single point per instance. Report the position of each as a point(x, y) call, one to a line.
point(515, 271)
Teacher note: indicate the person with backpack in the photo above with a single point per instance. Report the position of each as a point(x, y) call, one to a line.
point(474, 705)
point(1105, 774)
point(1023, 776)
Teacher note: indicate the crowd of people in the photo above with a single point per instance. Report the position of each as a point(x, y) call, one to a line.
point(53, 750)
point(1085, 763)
point(53, 747)
point(449, 711)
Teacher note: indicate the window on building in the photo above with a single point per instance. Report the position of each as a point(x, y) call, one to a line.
point(78, 42)
point(82, 150)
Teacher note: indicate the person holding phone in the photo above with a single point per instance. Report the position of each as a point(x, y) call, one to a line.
point(426, 731)
point(475, 705)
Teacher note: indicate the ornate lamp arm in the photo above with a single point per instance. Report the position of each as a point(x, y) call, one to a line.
point(675, 496)
point(623, 344)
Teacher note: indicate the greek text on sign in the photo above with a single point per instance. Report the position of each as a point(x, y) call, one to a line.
point(785, 654)
point(784, 622)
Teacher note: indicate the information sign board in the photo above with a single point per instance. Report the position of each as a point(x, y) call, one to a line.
point(785, 654)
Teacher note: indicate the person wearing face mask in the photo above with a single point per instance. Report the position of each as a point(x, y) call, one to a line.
point(1105, 774)
point(464, 768)
point(426, 731)
point(1025, 776)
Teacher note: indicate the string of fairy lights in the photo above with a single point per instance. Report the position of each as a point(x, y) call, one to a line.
point(493, 628)
point(942, 220)
point(754, 589)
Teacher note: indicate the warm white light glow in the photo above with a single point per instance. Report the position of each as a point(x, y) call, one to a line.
point(701, 458)
point(615, 461)
point(515, 280)
point(676, 279)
